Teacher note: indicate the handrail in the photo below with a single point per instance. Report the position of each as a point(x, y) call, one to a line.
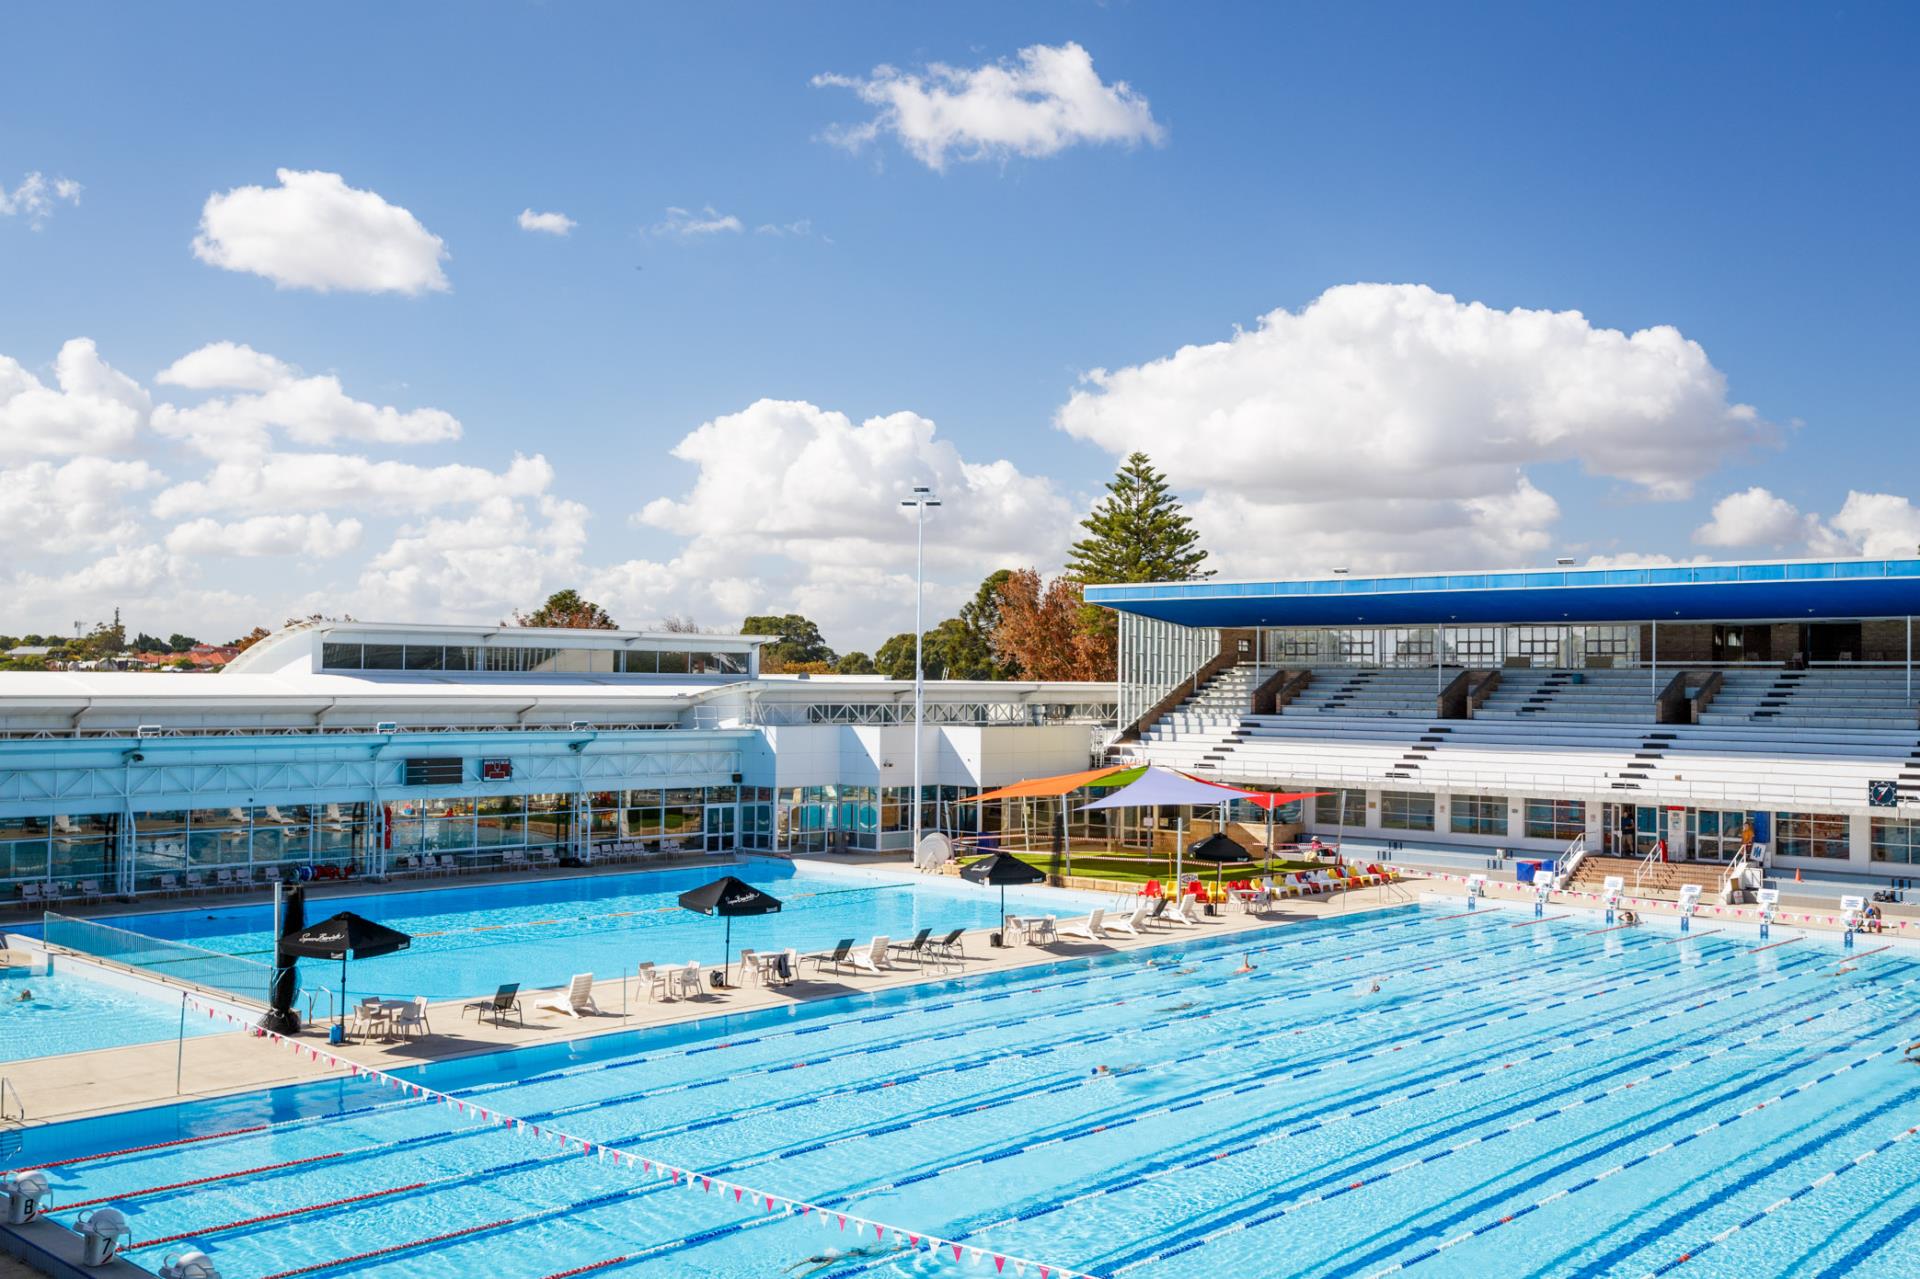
point(1731, 880)
point(310, 992)
point(1639, 872)
point(1571, 858)
point(8, 1086)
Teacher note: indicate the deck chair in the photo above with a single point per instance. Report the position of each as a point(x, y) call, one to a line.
point(873, 959)
point(1089, 928)
point(915, 949)
point(1190, 910)
point(576, 1000)
point(948, 949)
point(840, 954)
point(1133, 923)
point(505, 1000)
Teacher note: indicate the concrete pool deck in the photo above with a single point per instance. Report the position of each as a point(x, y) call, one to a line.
point(102, 1081)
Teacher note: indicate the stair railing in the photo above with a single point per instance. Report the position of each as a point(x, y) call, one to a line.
point(1646, 864)
point(1571, 859)
point(19, 1110)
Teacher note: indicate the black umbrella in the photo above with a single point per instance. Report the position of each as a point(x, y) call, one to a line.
point(286, 970)
point(1219, 850)
point(343, 937)
point(1003, 869)
point(728, 897)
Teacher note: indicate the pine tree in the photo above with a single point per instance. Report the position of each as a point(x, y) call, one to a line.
point(1138, 532)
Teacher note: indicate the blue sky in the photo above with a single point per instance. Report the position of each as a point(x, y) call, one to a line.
point(1741, 173)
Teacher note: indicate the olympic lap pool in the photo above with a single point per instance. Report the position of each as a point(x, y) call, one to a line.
point(66, 1011)
point(468, 940)
point(1517, 1098)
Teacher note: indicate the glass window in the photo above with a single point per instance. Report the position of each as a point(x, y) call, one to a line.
point(1895, 840)
point(340, 657)
point(1340, 808)
point(674, 663)
point(1560, 819)
point(384, 657)
point(500, 821)
point(641, 661)
point(460, 658)
point(1479, 815)
point(426, 657)
point(1811, 835)
point(1406, 810)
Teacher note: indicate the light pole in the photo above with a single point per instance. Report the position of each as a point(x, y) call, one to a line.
point(922, 499)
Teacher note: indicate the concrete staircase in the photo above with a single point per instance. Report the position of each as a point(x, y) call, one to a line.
point(1661, 879)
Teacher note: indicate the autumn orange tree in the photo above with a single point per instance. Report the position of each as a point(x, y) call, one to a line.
point(1046, 631)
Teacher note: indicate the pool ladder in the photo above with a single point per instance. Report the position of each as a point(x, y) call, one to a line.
point(11, 1118)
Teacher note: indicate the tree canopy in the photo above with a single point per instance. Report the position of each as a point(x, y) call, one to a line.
point(1045, 630)
point(568, 610)
point(798, 644)
point(1138, 532)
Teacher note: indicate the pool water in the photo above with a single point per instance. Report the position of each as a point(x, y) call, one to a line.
point(1412, 1091)
point(70, 1013)
point(469, 940)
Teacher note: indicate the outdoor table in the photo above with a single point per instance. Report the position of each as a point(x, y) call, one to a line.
point(1025, 925)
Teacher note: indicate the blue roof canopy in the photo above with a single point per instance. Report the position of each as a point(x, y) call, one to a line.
point(1794, 590)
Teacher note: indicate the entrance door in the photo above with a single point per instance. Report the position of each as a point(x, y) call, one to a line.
point(719, 827)
point(1834, 641)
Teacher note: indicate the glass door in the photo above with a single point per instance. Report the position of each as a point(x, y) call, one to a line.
point(719, 827)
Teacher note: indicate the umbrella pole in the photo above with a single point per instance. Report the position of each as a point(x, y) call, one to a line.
point(726, 956)
point(343, 996)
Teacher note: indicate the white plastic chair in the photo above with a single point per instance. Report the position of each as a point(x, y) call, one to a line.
point(576, 1000)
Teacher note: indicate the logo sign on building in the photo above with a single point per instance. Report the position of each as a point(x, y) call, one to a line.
point(1883, 794)
point(496, 770)
point(436, 771)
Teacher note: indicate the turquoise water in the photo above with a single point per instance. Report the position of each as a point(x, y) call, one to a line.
point(467, 941)
point(68, 1014)
point(1516, 1098)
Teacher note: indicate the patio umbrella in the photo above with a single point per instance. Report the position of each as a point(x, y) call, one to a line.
point(728, 897)
point(286, 969)
point(1219, 850)
point(345, 936)
point(1003, 869)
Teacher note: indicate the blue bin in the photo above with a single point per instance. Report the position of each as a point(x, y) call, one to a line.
point(1524, 870)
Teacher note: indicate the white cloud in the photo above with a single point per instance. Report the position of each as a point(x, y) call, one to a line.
point(1753, 517)
point(1876, 524)
point(311, 410)
point(795, 502)
point(691, 225)
point(278, 483)
point(546, 223)
point(313, 231)
point(1042, 101)
point(318, 536)
point(502, 556)
point(35, 197)
point(1378, 398)
point(804, 227)
point(95, 410)
point(48, 509)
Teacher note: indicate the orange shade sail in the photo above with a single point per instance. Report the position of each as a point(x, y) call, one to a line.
point(1263, 799)
point(1033, 788)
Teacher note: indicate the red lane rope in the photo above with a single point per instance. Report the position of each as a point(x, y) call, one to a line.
point(197, 1181)
point(1542, 919)
point(1754, 950)
point(391, 1248)
point(286, 1212)
point(156, 1145)
point(1611, 928)
point(1668, 941)
point(589, 1268)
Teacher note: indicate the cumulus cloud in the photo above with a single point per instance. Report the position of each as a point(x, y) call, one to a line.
point(546, 223)
point(804, 227)
point(318, 536)
point(285, 482)
point(311, 410)
point(803, 500)
point(1877, 524)
point(313, 231)
point(1041, 101)
point(505, 553)
point(685, 224)
point(48, 508)
point(35, 196)
point(1754, 517)
point(91, 409)
point(1378, 394)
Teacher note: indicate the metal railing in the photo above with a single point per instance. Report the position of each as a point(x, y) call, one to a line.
point(19, 1111)
point(1646, 864)
point(1570, 859)
point(175, 960)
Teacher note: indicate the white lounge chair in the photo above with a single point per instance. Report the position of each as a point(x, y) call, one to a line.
point(1189, 911)
point(576, 1000)
point(1088, 928)
point(1133, 923)
point(873, 959)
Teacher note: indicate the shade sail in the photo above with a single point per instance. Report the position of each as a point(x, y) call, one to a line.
point(1044, 786)
point(1158, 786)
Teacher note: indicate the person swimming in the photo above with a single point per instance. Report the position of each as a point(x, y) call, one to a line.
point(1371, 986)
point(24, 997)
point(1128, 1069)
point(1246, 964)
point(834, 1256)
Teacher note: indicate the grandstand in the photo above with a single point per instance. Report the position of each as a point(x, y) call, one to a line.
point(1612, 711)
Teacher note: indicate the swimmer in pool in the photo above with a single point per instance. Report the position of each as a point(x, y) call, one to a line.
point(1127, 1069)
point(24, 997)
point(1369, 987)
point(834, 1256)
point(1246, 964)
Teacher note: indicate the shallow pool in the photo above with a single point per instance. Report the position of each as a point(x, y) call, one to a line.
point(468, 940)
point(1516, 1097)
point(69, 1013)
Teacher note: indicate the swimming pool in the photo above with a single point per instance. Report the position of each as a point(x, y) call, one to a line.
point(71, 1012)
point(468, 940)
point(1518, 1097)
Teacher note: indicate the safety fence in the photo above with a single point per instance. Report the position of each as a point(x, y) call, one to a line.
point(175, 960)
point(762, 1204)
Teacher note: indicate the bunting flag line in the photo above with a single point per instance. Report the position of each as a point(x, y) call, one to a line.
point(746, 1197)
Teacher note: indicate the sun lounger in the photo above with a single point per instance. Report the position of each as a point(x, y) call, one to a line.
point(505, 1000)
point(1133, 923)
point(576, 1000)
point(1089, 928)
point(873, 959)
point(915, 949)
point(840, 954)
point(1189, 910)
point(947, 949)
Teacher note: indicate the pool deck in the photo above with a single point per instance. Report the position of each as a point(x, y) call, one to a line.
point(113, 1079)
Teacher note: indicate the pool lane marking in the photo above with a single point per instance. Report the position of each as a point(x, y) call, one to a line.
point(1754, 950)
point(1211, 1158)
point(280, 1215)
point(1538, 920)
point(1705, 932)
point(199, 1181)
point(1825, 1179)
point(1347, 1182)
